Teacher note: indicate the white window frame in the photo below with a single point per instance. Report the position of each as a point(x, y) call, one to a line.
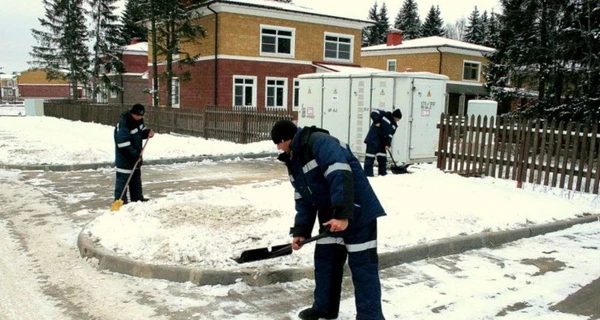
point(283, 87)
point(296, 95)
point(391, 62)
point(101, 94)
point(254, 80)
point(175, 94)
point(478, 70)
point(153, 94)
point(113, 93)
point(338, 35)
point(277, 36)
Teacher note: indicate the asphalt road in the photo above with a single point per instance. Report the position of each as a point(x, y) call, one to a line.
point(42, 275)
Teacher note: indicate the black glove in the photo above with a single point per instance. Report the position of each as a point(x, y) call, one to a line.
point(284, 157)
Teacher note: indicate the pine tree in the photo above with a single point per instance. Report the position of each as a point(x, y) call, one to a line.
point(132, 22)
point(370, 34)
point(107, 48)
point(175, 28)
point(383, 24)
point(492, 30)
point(547, 53)
point(474, 30)
point(408, 20)
point(433, 25)
point(62, 45)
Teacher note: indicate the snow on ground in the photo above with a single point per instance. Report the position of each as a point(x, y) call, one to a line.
point(422, 206)
point(48, 140)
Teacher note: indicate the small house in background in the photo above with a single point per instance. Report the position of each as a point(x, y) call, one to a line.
point(33, 84)
point(255, 49)
point(8, 88)
point(134, 81)
point(462, 62)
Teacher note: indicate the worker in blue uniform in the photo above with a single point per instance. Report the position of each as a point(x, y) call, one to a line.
point(330, 184)
point(379, 139)
point(128, 135)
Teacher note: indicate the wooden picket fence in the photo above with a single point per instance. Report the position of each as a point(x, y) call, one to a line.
point(229, 123)
point(239, 124)
point(563, 155)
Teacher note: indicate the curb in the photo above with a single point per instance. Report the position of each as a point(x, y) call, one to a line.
point(99, 165)
point(108, 260)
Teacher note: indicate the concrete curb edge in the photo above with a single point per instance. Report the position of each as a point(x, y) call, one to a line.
point(108, 260)
point(99, 165)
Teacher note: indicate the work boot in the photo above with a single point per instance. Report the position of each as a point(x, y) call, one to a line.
point(145, 199)
point(312, 314)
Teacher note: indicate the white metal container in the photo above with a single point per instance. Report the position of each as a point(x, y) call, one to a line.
point(482, 108)
point(341, 102)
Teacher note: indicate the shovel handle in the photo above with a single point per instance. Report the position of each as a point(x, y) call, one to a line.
point(324, 234)
point(390, 153)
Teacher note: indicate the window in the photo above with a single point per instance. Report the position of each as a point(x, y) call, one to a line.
point(471, 70)
point(391, 65)
point(113, 93)
point(244, 91)
point(276, 94)
point(101, 94)
point(276, 41)
point(296, 104)
point(175, 92)
point(338, 47)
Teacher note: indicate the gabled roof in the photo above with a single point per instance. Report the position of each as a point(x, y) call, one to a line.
point(325, 67)
point(140, 48)
point(289, 9)
point(426, 45)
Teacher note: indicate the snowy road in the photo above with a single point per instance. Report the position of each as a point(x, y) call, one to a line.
point(43, 277)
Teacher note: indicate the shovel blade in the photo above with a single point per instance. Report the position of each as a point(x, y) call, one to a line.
point(399, 169)
point(264, 253)
point(116, 205)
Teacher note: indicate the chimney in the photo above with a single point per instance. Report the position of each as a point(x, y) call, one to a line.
point(134, 41)
point(394, 37)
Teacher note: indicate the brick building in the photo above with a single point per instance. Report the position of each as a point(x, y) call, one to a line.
point(254, 50)
point(133, 81)
point(462, 62)
point(33, 84)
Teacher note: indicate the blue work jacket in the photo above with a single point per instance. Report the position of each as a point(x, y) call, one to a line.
point(329, 182)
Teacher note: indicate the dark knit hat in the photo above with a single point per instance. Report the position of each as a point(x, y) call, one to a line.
point(397, 114)
point(138, 109)
point(283, 130)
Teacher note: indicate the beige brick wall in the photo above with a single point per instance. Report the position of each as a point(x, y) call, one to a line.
point(202, 46)
point(37, 77)
point(240, 35)
point(452, 64)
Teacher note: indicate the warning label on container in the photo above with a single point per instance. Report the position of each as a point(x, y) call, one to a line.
point(308, 112)
point(426, 108)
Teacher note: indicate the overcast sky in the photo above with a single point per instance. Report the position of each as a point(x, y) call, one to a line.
point(17, 21)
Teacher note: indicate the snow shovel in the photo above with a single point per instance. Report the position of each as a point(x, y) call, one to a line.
point(276, 251)
point(396, 169)
point(119, 202)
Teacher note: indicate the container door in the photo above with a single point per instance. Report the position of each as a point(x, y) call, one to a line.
point(336, 107)
point(310, 102)
point(428, 101)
